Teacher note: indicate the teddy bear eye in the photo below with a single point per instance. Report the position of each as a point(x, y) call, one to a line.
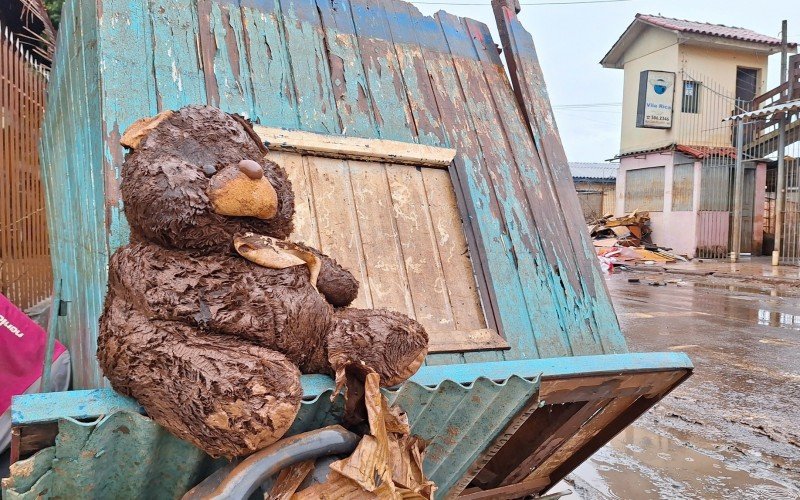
point(209, 170)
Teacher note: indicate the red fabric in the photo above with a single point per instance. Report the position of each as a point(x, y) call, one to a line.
point(22, 345)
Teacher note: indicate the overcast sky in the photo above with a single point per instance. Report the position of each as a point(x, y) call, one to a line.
point(571, 40)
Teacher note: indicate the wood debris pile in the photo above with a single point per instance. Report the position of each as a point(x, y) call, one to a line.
point(627, 240)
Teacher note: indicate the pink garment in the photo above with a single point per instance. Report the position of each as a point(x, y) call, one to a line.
point(22, 345)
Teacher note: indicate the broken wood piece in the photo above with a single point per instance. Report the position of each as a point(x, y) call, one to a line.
point(355, 148)
point(289, 480)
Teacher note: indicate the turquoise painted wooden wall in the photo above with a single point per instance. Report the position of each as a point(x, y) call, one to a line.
point(366, 68)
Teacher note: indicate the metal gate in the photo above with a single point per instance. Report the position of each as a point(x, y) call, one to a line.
point(25, 272)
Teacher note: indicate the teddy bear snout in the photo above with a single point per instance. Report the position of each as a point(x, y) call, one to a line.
point(241, 190)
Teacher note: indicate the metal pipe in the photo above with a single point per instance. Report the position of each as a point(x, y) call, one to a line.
point(246, 477)
point(738, 188)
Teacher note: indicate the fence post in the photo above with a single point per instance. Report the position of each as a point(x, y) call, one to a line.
point(738, 189)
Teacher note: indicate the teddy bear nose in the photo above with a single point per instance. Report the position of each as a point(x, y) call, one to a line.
point(251, 169)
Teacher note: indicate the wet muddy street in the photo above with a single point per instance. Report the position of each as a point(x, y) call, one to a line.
point(733, 429)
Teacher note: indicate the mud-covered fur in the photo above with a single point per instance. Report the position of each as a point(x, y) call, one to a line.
point(211, 344)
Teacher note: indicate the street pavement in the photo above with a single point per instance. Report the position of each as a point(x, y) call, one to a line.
point(733, 429)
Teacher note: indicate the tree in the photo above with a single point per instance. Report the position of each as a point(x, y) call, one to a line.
point(54, 10)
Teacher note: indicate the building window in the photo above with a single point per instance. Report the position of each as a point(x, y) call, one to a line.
point(691, 96)
point(644, 189)
point(682, 187)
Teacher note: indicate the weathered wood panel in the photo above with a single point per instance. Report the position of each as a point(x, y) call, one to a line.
point(370, 69)
point(409, 254)
point(592, 299)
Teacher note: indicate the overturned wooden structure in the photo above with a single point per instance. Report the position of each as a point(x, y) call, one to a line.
point(529, 372)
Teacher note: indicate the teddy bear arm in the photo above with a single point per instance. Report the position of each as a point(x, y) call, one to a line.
point(225, 395)
point(335, 283)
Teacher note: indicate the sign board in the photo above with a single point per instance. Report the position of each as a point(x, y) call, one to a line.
point(656, 95)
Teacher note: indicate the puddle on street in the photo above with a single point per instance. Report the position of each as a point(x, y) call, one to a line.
point(778, 319)
point(641, 464)
point(770, 291)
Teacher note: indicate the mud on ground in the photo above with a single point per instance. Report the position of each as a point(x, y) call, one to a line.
point(732, 430)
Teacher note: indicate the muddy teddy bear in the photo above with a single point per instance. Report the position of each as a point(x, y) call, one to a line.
point(211, 314)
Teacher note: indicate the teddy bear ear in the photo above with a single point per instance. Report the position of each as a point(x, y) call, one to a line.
point(276, 254)
point(141, 128)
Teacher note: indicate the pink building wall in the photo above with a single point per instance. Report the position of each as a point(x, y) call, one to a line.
point(685, 231)
point(671, 229)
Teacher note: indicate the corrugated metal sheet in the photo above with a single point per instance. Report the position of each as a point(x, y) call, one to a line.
point(460, 421)
point(594, 171)
point(126, 455)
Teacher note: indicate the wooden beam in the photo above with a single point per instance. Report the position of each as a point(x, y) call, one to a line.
point(519, 490)
point(354, 148)
point(461, 341)
point(566, 390)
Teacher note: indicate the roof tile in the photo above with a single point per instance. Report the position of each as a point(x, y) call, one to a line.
point(718, 30)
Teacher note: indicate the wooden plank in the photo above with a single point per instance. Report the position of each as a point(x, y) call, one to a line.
point(555, 268)
point(305, 217)
point(355, 148)
point(28, 439)
point(225, 65)
point(274, 99)
point(519, 490)
point(338, 221)
point(547, 339)
point(625, 418)
point(527, 78)
point(305, 39)
point(453, 251)
point(391, 109)
point(420, 253)
point(585, 433)
point(544, 422)
point(553, 439)
point(465, 340)
point(386, 272)
point(482, 214)
point(176, 62)
point(350, 89)
point(400, 16)
point(606, 386)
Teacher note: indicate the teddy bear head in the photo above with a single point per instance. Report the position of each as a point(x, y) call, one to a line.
point(198, 176)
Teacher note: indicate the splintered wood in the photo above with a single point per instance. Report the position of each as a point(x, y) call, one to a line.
point(387, 463)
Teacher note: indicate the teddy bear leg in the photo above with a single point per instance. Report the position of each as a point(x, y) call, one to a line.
point(226, 396)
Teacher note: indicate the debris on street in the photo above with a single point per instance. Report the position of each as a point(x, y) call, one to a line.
point(627, 240)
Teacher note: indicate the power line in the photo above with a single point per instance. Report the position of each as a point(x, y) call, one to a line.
point(486, 4)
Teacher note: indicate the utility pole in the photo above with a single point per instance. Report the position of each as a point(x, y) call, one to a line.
point(780, 188)
point(738, 189)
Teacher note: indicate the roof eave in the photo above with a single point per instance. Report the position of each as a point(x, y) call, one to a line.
point(701, 40)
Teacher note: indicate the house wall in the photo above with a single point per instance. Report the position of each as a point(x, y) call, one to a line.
point(658, 50)
point(713, 66)
point(716, 69)
point(676, 230)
